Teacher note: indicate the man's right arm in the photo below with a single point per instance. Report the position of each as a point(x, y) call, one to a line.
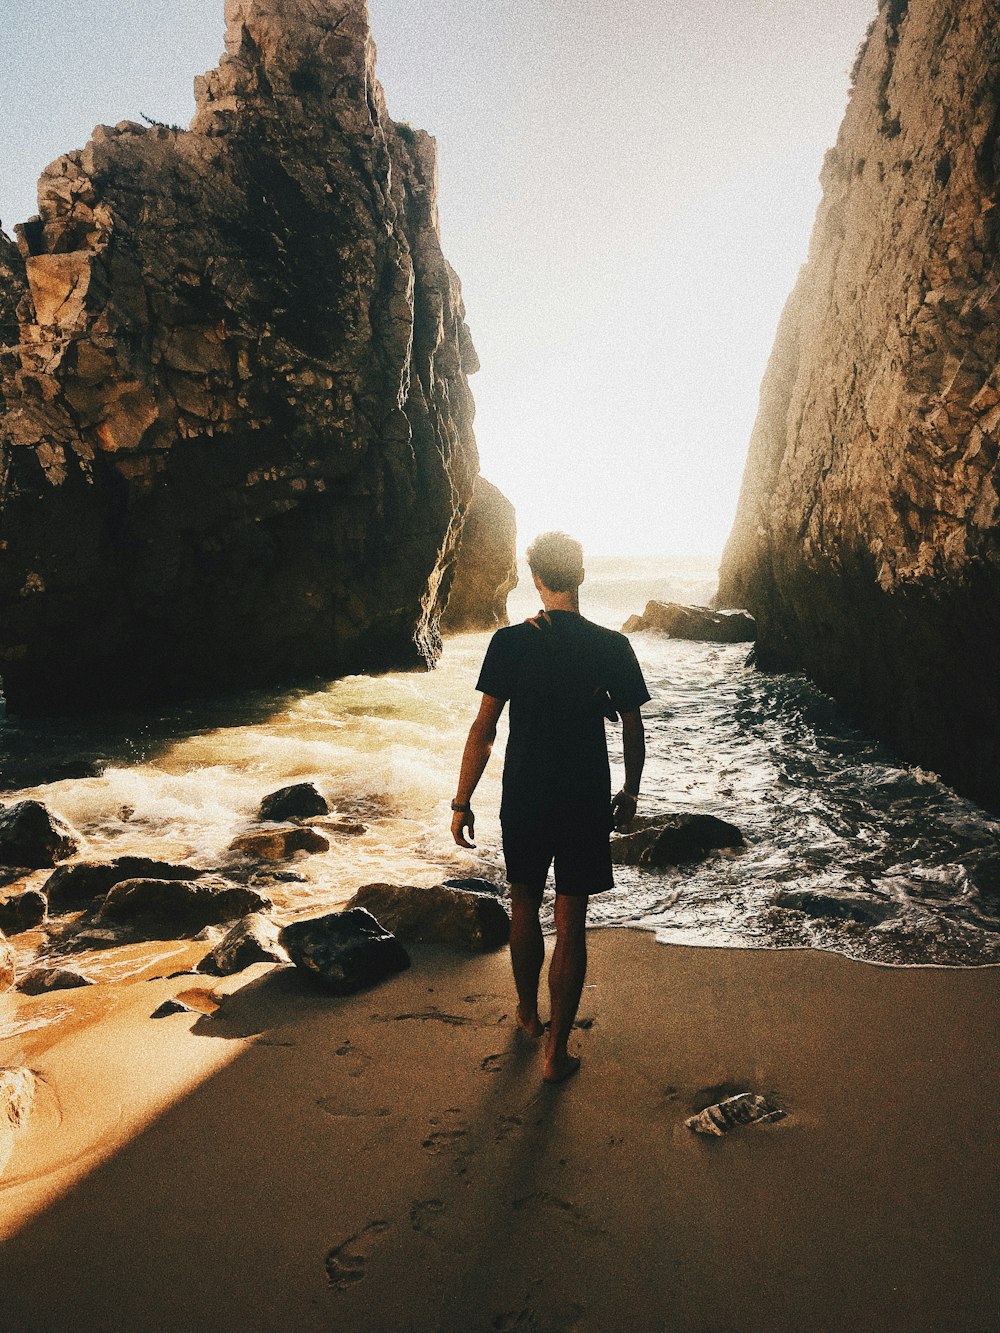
point(478, 748)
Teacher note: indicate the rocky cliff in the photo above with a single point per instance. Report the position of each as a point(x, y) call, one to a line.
point(866, 543)
point(238, 440)
point(486, 570)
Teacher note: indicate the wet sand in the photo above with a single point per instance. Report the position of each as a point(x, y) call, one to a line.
point(392, 1161)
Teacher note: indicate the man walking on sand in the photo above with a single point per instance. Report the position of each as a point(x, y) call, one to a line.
point(563, 676)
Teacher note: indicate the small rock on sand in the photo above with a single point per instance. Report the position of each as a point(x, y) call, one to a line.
point(347, 951)
point(746, 1108)
point(441, 915)
point(252, 940)
point(30, 835)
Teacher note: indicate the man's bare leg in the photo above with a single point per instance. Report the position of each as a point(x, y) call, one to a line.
point(527, 953)
point(566, 973)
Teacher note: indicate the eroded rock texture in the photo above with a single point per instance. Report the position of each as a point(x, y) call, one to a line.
point(486, 569)
point(866, 543)
point(239, 433)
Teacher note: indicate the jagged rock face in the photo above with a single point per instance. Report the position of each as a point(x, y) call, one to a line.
point(866, 543)
point(13, 285)
point(240, 428)
point(486, 569)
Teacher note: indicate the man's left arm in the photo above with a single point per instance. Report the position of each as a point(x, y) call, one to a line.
point(623, 806)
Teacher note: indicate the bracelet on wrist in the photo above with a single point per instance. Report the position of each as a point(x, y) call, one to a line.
point(462, 807)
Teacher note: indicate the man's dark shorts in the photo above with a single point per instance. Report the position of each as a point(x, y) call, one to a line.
point(575, 836)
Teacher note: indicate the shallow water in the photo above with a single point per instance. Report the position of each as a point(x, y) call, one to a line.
point(821, 806)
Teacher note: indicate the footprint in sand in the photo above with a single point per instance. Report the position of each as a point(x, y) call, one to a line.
point(447, 1135)
point(355, 1061)
point(508, 1124)
point(336, 1107)
point(347, 1263)
point(565, 1318)
point(425, 1214)
point(494, 1063)
point(570, 1213)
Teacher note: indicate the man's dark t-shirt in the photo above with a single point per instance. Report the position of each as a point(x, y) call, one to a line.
point(559, 680)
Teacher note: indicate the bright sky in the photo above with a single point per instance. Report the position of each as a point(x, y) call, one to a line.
point(627, 191)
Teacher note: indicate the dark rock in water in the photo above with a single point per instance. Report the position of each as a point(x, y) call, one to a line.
point(746, 1108)
point(252, 940)
point(240, 424)
point(41, 980)
point(486, 568)
point(698, 623)
point(175, 909)
point(440, 915)
point(8, 968)
point(71, 887)
point(666, 840)
point(476, 886)
point(346, 951)
point(867, 538)
point(280, 843)
point(30, 835)
point(22, 911)
point(830, 903)
point(300, 801)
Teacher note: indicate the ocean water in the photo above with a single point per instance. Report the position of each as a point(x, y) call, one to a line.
point(899, 868)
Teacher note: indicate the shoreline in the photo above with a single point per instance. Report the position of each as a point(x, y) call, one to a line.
point(381, 1161)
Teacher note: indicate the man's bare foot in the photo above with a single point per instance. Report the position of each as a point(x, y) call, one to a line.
point(558, 1068)
point(530, 1026)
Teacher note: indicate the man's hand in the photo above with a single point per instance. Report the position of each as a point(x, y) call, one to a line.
point(460, 821)
point(623, 808)
point(541, 621)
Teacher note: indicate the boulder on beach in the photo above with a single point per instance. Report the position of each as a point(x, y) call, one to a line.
point(17, 1095)
point(174, 909)
point(71, 887)
point(280, 843)
point(42, 980)
point(252, 940)
point(347, 951)
point(22, 911)
point(698, 623)
point(671, 839)
point(31, 835)
point(301, 801)
point(8, 969)
point(439, 915)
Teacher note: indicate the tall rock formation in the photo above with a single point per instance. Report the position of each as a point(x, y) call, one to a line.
point(238, 441)
point(486, 569)
point(867, 542)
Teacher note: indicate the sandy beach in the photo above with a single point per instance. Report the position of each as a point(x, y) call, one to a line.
point(392, 1161)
